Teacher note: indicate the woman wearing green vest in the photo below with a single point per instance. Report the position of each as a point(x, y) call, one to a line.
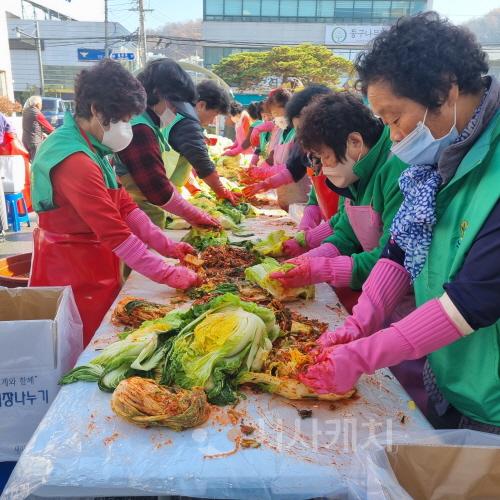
point(87, 221)
point(168, 130)
point(425, 78)
point(354, 147)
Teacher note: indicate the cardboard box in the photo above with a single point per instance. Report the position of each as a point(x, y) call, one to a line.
point(446, 472)
point(12, 173)
point(40, 340)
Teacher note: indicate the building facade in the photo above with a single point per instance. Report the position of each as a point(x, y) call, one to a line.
point(6, 88)
point(345, 26)
point(66, 47)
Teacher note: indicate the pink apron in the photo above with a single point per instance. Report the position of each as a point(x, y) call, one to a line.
point(367, 226)
point(297, 192)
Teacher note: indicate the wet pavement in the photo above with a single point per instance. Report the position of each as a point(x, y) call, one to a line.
point(17, 243)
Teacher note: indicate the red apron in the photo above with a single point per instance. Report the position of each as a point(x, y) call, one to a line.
point(66, 253)
point(328, 200)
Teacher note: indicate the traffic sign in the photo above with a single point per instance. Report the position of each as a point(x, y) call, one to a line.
point(90, 54)
point(129, 56)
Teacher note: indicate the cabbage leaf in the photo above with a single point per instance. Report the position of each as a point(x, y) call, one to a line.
point(272, 245)
point(259, 274)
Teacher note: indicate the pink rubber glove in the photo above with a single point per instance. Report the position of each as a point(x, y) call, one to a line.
point(335, 271)
point(254, 160)
point(292, 248)
point(255, 171)
point(233, 151)
point(316, 236)
point(177, 205)
point(324, 250)
point(280, 179)
point(265, 171)
point(140, 224)
point(213, 180)
point(384, 289)
point(311, 218)
point(137, 256)
point(259, 129)
point(425, 330)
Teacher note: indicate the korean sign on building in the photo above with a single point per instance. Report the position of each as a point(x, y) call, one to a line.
point(351, 34)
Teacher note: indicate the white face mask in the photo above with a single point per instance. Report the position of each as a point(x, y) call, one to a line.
point(166, 118)
point(119, 135)
point(281, 122)
point(420, 146)
point(342, 175)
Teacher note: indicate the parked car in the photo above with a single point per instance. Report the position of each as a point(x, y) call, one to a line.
point(53, 108)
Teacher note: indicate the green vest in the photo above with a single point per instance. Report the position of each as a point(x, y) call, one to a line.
point(63, 142)
point(467, 371)
point(176, 165)
point(378, 187)
point(286, 139)
point(169, 156)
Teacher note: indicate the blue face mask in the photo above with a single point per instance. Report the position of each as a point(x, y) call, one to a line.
point(420, 146)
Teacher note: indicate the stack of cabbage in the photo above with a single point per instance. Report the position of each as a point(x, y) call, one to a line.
point(208, 346)
point(228, 216)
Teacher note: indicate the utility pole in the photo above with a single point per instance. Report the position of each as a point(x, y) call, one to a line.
point(38, 44)
point(142, 33)
point(40, 62)
point(142, 39)
point(106, 35)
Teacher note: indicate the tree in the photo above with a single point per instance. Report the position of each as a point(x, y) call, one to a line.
point(307, 63)
point(243, 69)
point(7, 107)
point(487, 27)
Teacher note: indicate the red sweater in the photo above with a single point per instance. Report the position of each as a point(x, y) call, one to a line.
point(78, 184)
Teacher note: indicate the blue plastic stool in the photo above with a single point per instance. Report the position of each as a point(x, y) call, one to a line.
point(14, 218)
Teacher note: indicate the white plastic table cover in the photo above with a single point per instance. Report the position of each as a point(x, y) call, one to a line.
point(82, 449)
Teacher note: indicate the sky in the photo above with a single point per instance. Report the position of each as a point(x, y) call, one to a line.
point(165, 11)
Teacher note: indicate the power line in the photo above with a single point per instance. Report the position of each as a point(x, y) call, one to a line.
point(142, 40)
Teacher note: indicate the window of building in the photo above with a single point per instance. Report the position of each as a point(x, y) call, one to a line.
point(232, 8)
point(326, 8)
point(356, 11)
point(418, 6)
point(362, 9)
point(307, 8)
point(382, 9)
point(343, 8)
point(400, 9)
point(212, 55)
point(251, 8)
point(270, 8)
point(214, 7)
point(288, 8)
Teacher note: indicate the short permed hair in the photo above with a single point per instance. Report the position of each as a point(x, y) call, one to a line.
point(421, 57)
point(279, 97)
point(164, 78)
point(331, 118)
point(114, 92)
point(301, 99)
point(235, 108)
point(214, 96)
